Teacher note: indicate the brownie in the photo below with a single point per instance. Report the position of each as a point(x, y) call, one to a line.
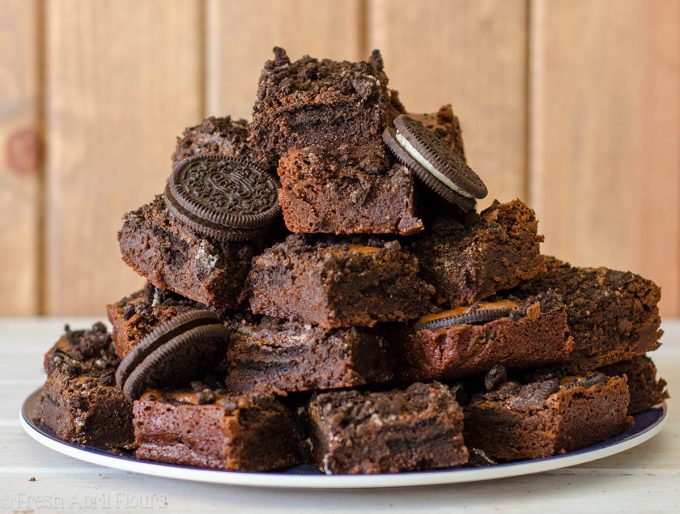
point(347, 190)
point(318, 102)
point(213, 136)
point(337, 285)
point(533, 333)
point(612, 315)
point(386, 432)
point(547, 417)
point(286, 356)
point(211, 429)
point(80, 402)
point(446, 125)
point(171, 256)
point(646, 389)
point(472, 258)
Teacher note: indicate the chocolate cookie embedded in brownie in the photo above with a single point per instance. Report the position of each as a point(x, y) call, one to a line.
point(318, 102)
point(612, 315)
point(212, 429)
point(171, 256)
point(417, 428)
point(273, 356)
point(472, 258)
point(213, 136)
point(547, 417)
point(468, 341)
point(446, 125)
point(80, 402)
point(347, 190)
point(646, 389)
point(336, 285)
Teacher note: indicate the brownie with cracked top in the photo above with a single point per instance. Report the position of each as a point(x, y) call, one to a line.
point(172, 256)
point(386, 432)
point(318, 102)
point(547, 417)
point(214, 136)
point(210, 428)
point(270, 355)
point(80, 401)
point(645, 387)
point(612, 315)
point(336, 285)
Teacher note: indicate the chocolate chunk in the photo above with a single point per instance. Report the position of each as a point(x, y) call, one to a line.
point(495, 377)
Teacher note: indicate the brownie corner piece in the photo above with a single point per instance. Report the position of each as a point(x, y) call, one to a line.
point(213, 136)
point(171, 256)
point(645, 387)
point(418, 428)
point(336, 284)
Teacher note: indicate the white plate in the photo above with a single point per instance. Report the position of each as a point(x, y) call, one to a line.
point(647, 425)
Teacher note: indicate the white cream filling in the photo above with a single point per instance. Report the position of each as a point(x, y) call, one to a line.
point(403, 142)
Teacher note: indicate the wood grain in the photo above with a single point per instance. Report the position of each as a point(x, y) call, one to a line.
point(240, 37)
point(605, 153)
point(20, 165)
point(470, 54)
point(123, 79)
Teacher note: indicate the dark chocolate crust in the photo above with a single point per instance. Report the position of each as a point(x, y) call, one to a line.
point(387, 432)
point(336, 285)
point(273, 356)
point(225, 137)
point(646, 389)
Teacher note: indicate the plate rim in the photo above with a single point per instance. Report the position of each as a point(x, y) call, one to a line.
point(366, 481)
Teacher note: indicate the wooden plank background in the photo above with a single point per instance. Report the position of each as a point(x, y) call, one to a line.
point(572, 105)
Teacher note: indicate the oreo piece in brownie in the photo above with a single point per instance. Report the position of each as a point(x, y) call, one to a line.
point(446, 126)
point(548, 417)
point(472, 258)
point(336, 285)
point(417, 428)
point(346, 190)
point(318, 102)
point(80, 402)
point(212, 429)
point(612, 315)
point(646, 389)
point(172, 256)
point(286, 356)
point(224, 136)
point(468, 341)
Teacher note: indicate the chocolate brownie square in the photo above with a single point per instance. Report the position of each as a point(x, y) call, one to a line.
point(80, 402)
point(318, 102)
point(524, 334)
point(446, 125)
point(211, 429)
point(473, 258)
point(612, 315)
point(646, 389)
point(387, 432)
point(548, 417)
point(213, 136)
point(336, 285)
point(172, 256)
point(346, 190)
point(286, 356)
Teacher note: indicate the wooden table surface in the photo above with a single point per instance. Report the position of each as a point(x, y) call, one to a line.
point(35, 479)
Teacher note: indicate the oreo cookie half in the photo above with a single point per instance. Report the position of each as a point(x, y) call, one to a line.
point(477, 314)
point(441, 169)
point(174, 353)
point(227, 198)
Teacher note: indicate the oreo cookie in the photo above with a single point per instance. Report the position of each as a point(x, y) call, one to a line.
point(174, 353)
point(436, 165)
point(227, 198)
point(477, 314)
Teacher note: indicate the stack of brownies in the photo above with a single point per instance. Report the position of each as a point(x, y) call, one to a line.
point(321, 289)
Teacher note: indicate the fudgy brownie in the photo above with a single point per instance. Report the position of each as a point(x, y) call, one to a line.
point(337, 285)
point(646, 390)
point(285, 356)
point(446, 125)
point(80, 401)
point(473, 258)
point(213, 136)
point(173, 257)
point(387, 432)
point(526, 333)
point(547, 417)
point(346, 190)
point(318, 102)
point(211, 429)
point(612, 315)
